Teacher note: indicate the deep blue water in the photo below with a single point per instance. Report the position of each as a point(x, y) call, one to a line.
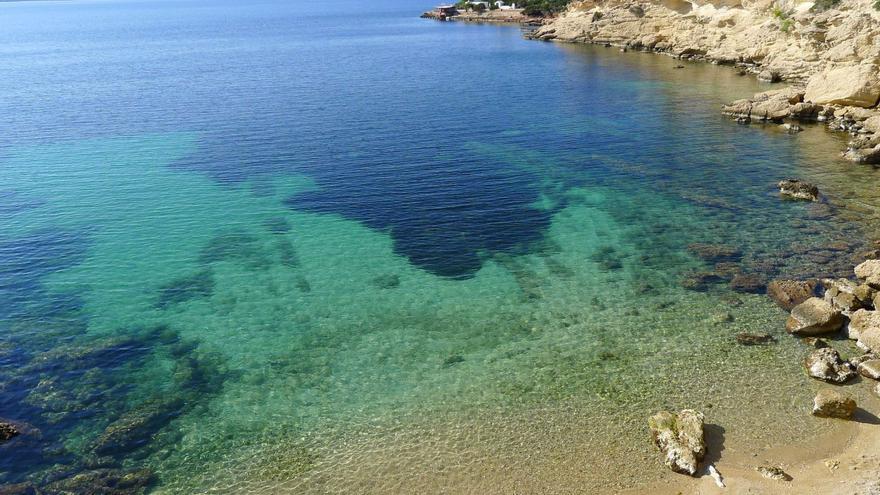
point(195, 198)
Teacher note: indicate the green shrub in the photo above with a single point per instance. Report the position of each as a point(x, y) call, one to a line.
point(877, 5)
point(823, 5)
point(785, 25)
point(540, 8)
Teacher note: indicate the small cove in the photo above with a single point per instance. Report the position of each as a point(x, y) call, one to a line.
point(309, 258)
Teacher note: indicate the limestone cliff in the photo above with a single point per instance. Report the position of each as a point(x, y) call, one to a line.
point(784, 39)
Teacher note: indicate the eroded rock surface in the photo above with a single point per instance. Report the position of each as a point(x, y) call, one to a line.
point(680, 438)
point(798, 189)
point(826, 364)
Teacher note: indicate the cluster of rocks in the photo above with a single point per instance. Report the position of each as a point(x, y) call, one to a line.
point(850, 307)
point(818, 308)
point(842, 108)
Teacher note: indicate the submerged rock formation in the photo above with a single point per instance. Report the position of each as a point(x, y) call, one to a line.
point(830, 403)
point(789, 293)
point(680, 438)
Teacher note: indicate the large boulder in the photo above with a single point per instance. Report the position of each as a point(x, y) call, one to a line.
point(680, 438)
point(814, 316)
point(869, 271)
point(826, 364)
point(830, 403)
point(856, 85)
point(789, 293)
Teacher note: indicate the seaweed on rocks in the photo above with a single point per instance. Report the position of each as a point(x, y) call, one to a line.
point(97, 422)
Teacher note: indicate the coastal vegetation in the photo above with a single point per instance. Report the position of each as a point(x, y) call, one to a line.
point(539, 8)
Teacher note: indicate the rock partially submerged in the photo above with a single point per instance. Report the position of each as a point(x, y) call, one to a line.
point(798, 189)
point(680, 438)
point(826, 364)
point(789, 293)
point(830, 403)
point(8, 431)
point(814, 316)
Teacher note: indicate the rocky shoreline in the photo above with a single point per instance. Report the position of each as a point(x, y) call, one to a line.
point(829, 57)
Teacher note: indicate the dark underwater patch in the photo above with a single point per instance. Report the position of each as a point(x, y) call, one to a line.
point(235, 246)
point(186, 288)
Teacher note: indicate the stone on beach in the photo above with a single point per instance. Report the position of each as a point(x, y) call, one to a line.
point(830, 403)
point(680, 438)
point(826, 364)
point(789, 293)
point(814, 316)
point(798, 189)
point(773, 473)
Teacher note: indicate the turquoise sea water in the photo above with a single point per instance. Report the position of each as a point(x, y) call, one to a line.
point(335, 248)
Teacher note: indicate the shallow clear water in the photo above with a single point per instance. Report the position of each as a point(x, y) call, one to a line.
point(335, 248)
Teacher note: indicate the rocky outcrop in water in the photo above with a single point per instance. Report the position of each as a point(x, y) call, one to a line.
point(8, 431)
point(798, 189)
point(826, 364)
point(680, 439)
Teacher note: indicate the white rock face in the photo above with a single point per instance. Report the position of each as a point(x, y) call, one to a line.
point(857, 86)
point(786, 37)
